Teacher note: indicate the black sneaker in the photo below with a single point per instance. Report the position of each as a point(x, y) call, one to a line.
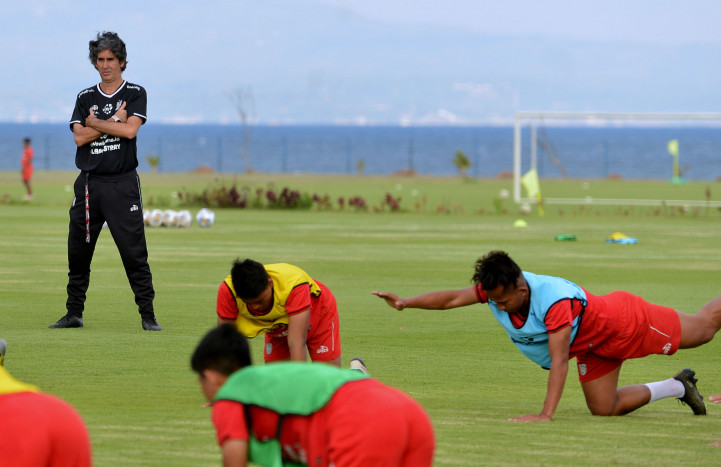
point(691, 396)
point(68, 321)
point(150, 324)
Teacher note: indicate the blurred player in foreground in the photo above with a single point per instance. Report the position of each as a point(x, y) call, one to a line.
point(552, 320)
point(307, 414)
point(38, 429)
point(297, 313)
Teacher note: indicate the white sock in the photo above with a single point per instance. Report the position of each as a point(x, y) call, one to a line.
point(663, 389)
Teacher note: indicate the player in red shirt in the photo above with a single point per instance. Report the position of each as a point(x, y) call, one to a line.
point(357, 422)
point(39, 429)
point(557, 320)
point(26, 167)
point(297, 314)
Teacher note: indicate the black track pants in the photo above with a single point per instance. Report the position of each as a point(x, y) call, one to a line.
point(116, 199)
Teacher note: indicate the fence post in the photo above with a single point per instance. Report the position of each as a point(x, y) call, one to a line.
point(348, 155)
point(219, 163)
point(410, 154)
point(284, 155)
point(47, 153)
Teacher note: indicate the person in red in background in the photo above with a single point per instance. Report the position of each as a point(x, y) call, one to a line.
point(297, 313)
point(552, 320)
point(38, 429)
point(26, 167)
point(292, 413)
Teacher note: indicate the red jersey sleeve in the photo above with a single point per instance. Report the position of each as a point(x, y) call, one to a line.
point(560, 316)
point(298, 299)
point(226, 306)
point(481, 294)
point(229, 421)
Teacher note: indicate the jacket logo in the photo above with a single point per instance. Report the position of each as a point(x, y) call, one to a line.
point(134, 207)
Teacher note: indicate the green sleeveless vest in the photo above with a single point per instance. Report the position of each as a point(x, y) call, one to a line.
point(288, 388)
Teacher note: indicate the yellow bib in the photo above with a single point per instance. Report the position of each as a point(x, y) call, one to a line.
point(9, 385)
point(285, 278)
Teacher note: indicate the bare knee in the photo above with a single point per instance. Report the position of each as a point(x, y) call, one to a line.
point(602, 409)
point(601, 412)
point(707, 336)
point(696, 330)
point(703, 335)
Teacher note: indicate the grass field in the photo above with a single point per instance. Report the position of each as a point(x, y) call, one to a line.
point(142, 403)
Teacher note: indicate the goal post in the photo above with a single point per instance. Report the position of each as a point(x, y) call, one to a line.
point(600, 120)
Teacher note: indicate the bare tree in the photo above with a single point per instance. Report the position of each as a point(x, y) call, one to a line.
point(243, 100)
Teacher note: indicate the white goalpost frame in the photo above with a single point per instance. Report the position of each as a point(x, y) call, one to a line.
point(534, 116)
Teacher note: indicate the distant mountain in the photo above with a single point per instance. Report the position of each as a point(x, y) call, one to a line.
point(311, 63)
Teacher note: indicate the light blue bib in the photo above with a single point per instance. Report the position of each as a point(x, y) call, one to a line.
point(532, 337)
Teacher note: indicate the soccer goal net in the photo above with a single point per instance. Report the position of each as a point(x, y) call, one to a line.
point(588, 146)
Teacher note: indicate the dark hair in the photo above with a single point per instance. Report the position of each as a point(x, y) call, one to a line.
point(26, 140)
point(108, 41)
point(249, 278)
point(223, 349)
point(496, 268)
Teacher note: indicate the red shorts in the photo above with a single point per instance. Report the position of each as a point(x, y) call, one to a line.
point(27, 173)
point(641, 329)
point(323, 339)
point(370, 424)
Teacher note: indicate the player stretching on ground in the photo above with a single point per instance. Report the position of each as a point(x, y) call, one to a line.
point(552, 320)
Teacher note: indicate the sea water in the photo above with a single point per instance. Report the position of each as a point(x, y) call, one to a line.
point(576, 152)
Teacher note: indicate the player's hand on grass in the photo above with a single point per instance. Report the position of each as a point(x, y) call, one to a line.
point(716, 398)
point(391, 299)
point(531, 418)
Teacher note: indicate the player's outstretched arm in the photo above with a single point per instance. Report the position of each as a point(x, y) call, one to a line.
point(440, 300)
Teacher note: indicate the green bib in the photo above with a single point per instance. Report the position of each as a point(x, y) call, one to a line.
point(287, 388)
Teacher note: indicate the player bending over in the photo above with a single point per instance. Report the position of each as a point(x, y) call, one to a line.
point(297, 314)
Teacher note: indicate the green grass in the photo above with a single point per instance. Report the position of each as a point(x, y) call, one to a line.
point(142, 403)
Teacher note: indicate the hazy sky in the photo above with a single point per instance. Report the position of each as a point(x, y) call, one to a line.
point(654, 21)
point(369, 61)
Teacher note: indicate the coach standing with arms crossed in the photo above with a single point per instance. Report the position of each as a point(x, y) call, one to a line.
point(105, 124)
